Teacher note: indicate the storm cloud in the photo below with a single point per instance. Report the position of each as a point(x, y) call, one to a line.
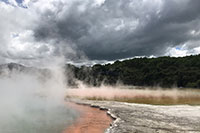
point(109, 29)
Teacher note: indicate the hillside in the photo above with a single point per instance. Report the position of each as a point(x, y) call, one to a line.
point(161, 71)
point(6, 70)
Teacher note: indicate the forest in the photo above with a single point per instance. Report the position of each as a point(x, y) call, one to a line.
point(166, 72)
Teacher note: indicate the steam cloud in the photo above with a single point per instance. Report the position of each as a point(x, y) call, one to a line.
point(32, 102)
point(136, 94)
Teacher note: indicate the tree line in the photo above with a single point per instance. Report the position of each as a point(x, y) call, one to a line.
point(162, 71)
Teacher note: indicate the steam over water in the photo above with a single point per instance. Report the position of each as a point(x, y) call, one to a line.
point(135, 94)
point(31, 102)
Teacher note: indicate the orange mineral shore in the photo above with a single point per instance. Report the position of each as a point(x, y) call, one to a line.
point(91, 120)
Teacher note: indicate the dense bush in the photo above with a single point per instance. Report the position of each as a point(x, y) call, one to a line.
point(162, 71)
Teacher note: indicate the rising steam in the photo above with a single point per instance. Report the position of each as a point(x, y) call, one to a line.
point(32, 101)
point(135, 94)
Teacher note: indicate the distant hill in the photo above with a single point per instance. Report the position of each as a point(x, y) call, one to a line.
point(14, 68)
point(161, 71)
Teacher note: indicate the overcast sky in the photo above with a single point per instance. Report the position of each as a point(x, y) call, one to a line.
point(36, 30)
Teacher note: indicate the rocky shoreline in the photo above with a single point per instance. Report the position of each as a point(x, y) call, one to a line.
point(141, 118)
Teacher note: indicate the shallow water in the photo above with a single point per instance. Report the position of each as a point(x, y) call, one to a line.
point(91, 120)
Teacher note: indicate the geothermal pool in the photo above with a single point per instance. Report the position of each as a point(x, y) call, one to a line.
point(91, 120)
point(37, 120)
point(70, 118)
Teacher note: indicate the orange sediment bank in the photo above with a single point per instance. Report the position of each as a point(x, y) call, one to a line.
point(91, 120)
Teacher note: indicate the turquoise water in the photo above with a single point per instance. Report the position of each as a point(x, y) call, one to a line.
point(36, 117)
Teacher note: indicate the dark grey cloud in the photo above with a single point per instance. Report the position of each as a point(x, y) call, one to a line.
point(98, 29)
point(120, 29)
